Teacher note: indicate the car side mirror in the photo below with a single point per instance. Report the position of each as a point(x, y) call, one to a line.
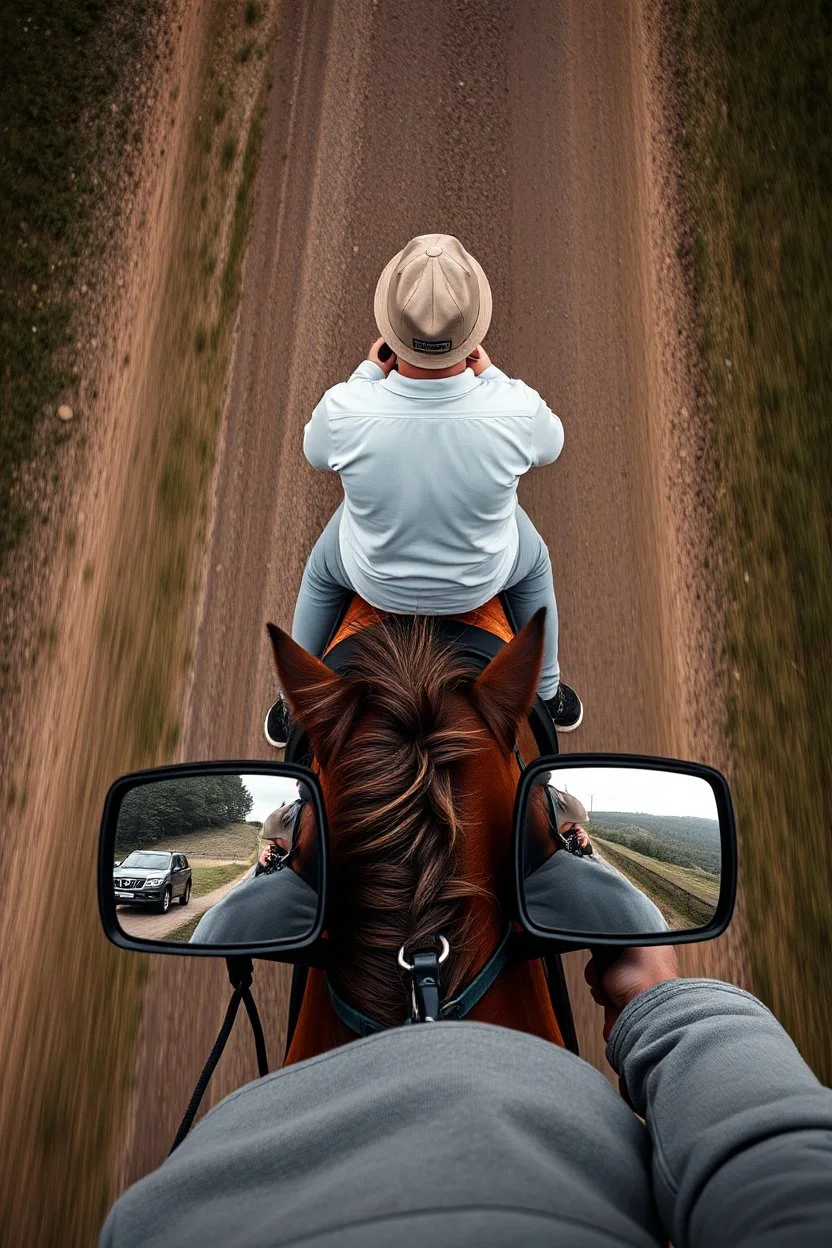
point(624, 850)
point(219, 815)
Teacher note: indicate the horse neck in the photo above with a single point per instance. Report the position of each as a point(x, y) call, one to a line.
point(487, 785)
point(519, 997)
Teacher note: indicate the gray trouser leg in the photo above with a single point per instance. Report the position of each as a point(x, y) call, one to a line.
point(322, 591)
point(530, 587)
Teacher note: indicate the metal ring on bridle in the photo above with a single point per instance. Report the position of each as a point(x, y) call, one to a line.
point(444, 947)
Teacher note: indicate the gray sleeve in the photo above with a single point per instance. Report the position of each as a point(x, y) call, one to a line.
point(203, 933)
point(281, 906)
point(741, 1128)
point(569, 893)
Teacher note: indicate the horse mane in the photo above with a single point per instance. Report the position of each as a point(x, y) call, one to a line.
point(396, 829)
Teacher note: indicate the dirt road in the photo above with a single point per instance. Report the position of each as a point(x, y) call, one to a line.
point(534, 132)
point(146, 925)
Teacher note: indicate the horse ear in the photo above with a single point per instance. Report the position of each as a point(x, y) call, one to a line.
point(324, 703)
point(504, 692)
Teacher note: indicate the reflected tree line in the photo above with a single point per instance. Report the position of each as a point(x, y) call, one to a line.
point(684, 841)
point(175, 807)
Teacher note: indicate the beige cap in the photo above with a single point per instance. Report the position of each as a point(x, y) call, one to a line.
point(569, 809)
point(433, 302)
point(278, 825)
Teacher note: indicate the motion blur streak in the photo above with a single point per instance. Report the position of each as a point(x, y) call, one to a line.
point(535, 133)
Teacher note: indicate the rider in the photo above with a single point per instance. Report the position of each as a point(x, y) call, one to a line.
point(278, 836)
point(468, 1133)
point(276, 903)
point(571, 816)
point(430, 443)
point(571, 892)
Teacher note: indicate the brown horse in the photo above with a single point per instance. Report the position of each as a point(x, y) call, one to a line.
point(415, 755)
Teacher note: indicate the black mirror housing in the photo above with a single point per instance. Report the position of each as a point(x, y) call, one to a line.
point(616, 861)
point(308, 948)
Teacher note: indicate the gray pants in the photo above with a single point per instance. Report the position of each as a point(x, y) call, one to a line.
point(529, 586)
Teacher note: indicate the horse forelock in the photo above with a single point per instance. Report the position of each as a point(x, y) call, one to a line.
point(416, 767)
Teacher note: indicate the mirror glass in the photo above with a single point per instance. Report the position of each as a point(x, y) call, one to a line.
point(615, 851)
point(217, 859)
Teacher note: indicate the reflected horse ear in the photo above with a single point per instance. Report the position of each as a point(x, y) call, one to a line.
point(504, 692)
point(323, 702)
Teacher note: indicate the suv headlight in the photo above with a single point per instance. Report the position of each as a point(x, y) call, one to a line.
point(153, 881)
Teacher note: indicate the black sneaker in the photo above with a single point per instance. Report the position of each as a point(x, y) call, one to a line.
point(278, 724)
point(566, 709)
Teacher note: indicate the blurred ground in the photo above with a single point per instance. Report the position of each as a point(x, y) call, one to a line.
point(537, 138)
point(538, 134)
point(757, 150)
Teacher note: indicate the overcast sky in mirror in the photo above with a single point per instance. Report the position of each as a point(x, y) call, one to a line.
point(637, 790)
point(269, 792)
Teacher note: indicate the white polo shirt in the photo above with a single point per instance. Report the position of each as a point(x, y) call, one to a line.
point(430, 471)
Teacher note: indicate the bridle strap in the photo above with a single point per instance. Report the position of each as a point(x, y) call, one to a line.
point(424, 977)
point(465, 1001)
point(360, 1023)
point(452, 1011)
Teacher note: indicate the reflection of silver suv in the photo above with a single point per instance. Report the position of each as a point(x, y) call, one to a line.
point(151, 878)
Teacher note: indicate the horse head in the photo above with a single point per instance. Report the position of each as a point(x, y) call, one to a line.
point(415, 753)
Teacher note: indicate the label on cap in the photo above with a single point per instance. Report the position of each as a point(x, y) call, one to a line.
point(431, 348)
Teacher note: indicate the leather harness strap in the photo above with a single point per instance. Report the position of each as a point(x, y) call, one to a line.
point(424, 978)
point(464, 1002)
point(452, 1011)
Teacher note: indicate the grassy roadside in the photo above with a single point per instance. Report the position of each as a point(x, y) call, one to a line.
point(61, 61)
point(83, 1008)
point(186, 931)
point(234, 843)
point(679, 892)
point(206, 879)
point(195, 335)
point(146, 622)
point(756, 82)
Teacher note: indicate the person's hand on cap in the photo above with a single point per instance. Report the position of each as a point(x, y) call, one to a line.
point(478, 361)
point(386, 365)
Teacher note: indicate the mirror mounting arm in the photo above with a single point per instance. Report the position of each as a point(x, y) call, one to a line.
point(240, 972)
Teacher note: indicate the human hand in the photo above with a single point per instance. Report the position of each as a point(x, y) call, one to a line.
point(478, 361)
point(583, 839)
point(387, 365)
point(265, 854)
point(632, 972)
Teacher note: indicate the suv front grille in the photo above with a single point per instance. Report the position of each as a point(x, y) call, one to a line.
point(129, 883)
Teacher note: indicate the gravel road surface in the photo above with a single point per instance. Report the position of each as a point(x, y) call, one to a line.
point(525, 130)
